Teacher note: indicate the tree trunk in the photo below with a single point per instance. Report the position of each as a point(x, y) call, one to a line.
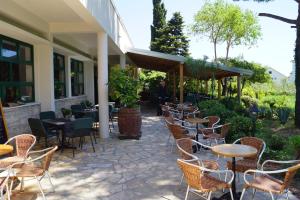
point(227, 51)
point(297, 79)
point(215, 50)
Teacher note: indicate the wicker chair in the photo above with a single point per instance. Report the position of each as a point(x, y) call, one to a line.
point(4, 184)
point(23, 144)
point(211, 125)
point(36, 168)
point(201, 181)
point(185, 150)
point(263, 180)
point(250, 162)
point(217, 138)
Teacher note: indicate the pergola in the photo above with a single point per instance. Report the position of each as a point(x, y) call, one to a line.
point(179, 65)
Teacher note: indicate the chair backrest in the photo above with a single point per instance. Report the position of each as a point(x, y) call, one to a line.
point(169, 119)
point(255, 142)
point(224, 130)
point(37, 127)
point(76, 107)
point(185, 148)
point(289, 175)
point(82, 123)
point(177, 131)
point(192, 174)
point(47, 115)
point(213, 120)
point(47, 157)
point(24, 144)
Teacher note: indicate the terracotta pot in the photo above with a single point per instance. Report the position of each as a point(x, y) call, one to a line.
point(129, 122)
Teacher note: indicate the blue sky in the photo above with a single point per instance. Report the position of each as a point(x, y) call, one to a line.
point(275, 49)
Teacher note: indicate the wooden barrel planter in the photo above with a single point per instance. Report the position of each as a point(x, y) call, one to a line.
point(129, 122)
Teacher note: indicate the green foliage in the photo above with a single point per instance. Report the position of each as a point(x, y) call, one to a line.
point(123, 86)
point(225, 22)
point(172, 39)
point(283, 114)
point(240, 126)
point(260, 74)
point(159, 22)
point(248, 101)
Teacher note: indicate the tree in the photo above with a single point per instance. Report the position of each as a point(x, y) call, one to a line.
point(295, 23)
point(209, 21)
point(241, 28)
point(172, 40)
point(260, 74)
point(159, 22)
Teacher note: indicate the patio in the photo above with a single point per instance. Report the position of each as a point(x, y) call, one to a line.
point(143, 169)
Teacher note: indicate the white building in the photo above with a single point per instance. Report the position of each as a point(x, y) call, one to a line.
point(56, 53)
point(292, 75)
point(276, 76)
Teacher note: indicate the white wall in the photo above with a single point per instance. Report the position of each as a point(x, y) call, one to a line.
point(107, 16)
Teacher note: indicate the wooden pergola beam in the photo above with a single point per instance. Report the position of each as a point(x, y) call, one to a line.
point(174, 86)
point(239, 91)
point(219, 88)
point(181, 81)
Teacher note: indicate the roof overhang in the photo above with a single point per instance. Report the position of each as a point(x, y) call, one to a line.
point(154, 60)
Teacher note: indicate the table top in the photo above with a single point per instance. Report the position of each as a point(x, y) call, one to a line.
point(234, 150)
point(197, 120)
point(56, 122)
point(5, 149)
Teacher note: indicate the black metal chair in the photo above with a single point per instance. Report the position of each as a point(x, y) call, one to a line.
point(79, 129)
point(39, 130)
point(47, 115)
point(77, 111)
point(95, 117)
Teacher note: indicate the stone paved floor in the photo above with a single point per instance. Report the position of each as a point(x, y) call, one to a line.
point(127, 170)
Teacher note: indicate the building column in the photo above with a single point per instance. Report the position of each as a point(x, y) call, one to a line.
point(181, 82)
point(239, 91)
point(123, 61)
point(68, 76)
point(44, 76)
point(89, 81)
point(102, 54)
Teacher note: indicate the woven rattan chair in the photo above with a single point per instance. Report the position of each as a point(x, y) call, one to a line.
point(178, 132)
point(249, 162)
point(23, 144)
point(216, 137)
point(211, 125)
point(5, 192)
point(263, 180)
point(36, 168)
point(185, 150)
point(201, 181)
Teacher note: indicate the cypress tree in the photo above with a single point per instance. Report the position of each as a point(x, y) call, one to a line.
point(159, 22)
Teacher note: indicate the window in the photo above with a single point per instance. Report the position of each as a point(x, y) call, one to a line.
point(59, 76)
point(16, 71)
point(77, 81)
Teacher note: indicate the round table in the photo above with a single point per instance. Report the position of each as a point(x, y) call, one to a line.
point(233, 151)
point(5, 149)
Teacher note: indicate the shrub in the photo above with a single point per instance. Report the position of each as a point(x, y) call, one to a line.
point(283, 114)
point(229, 102)
point(248, 101)
point(240, 126)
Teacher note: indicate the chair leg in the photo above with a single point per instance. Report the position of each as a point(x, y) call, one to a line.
point(22, 184)
point(253, 194)
point(72, 140)
point(244, 190)
point(40, 187)
point(209, 196)
point(8, 192)
point(94, 134)
point(231, 194)
point(49, 178)
point(92, 143)
point(272, 195)
point(187, 193)
point(181, 180)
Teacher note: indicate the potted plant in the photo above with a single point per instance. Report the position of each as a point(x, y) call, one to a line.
point(124, 87)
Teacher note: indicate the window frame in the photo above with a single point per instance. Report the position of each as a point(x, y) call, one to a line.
point(75, 68)
point(61, 69)
point(19, 61)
